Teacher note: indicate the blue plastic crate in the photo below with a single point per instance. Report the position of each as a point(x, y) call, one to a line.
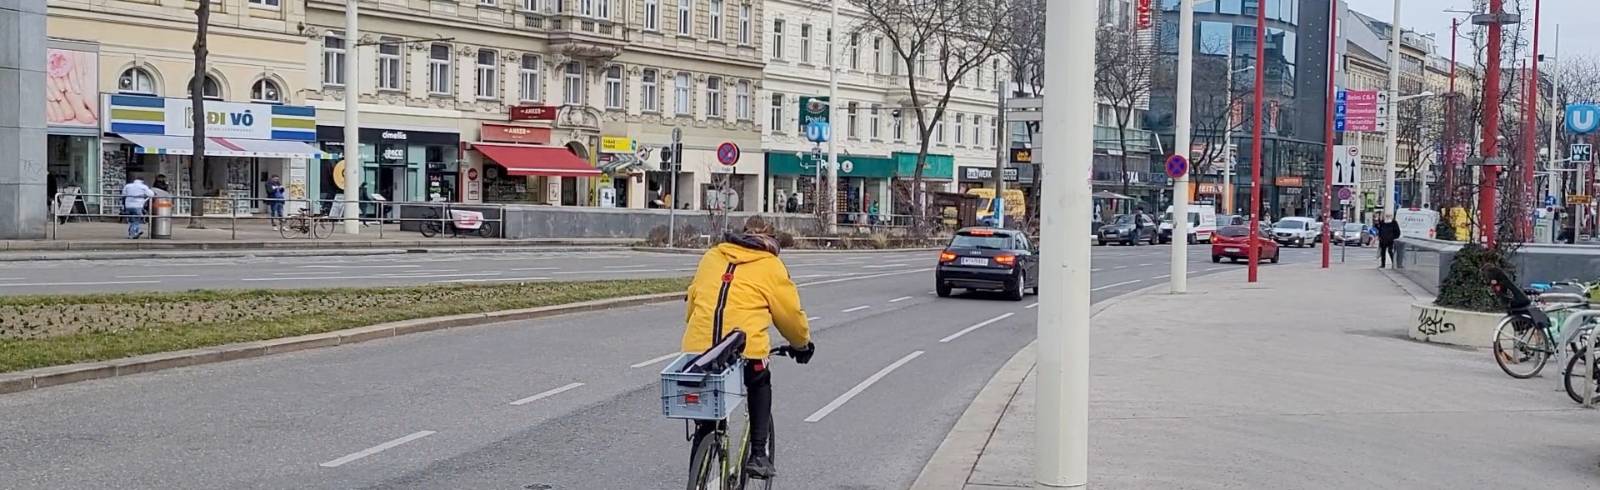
point(700, 396)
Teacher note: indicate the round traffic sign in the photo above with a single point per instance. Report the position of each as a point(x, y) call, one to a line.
point(1177, 166)
point(1345, 194)
point(472, 174)
point(728, 153)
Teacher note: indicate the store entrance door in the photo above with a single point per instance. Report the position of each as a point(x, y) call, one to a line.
point(392, 185)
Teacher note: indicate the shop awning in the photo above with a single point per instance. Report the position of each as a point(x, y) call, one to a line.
point(155, 144)
point(523, 160)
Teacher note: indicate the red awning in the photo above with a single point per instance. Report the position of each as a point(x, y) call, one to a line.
point(524, 160)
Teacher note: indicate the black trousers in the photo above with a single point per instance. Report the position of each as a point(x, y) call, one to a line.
point(758, 383)
point(1385, 252)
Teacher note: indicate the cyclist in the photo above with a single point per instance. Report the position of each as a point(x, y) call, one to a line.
point(741, 284)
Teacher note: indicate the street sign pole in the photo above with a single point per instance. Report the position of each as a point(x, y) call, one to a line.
point(1327, 143)
point(1180, 182)
point(672, 207)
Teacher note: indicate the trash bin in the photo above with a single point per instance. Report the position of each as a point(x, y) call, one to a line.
point(161, 217)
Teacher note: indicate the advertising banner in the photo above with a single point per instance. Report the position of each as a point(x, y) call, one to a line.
point(72, 88)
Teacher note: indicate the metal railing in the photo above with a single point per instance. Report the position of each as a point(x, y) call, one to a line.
point(234, 210)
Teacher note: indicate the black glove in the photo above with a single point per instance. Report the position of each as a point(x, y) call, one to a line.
point(803, 356)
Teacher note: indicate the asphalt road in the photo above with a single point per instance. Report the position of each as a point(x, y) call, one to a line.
point(569, 402)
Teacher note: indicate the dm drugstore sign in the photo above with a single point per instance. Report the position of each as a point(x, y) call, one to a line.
point(133, 114)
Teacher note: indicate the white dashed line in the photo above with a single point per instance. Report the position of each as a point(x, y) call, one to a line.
point(405, 266)
point(1146, 264)
point(535, 269)
point(812, 319)
point(845, 398)
point(151, 276)
point(855, 309)
point(1124, 283)
point(376, 449)
point(1095, 270)
point(495, 279)
point(1163, 276)
point(899, 299)
point(968, 330)
point(93, 283)
point(547, 394)
point(1119, 267)
point(882, 266)
point(1031, 306)
point(869, 276)
point(657, 360)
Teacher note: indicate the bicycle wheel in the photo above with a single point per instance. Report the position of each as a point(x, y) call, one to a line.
point(772, 444)
point(286, 228)
point(1568, 375)
point(431, 228)
point(706, 461)
point(1521, 348)
point(322, 227)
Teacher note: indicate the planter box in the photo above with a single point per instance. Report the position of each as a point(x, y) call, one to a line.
point(1437, 324)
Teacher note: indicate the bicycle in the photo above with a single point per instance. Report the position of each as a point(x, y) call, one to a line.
point(1524, 340)
point(697, 387)
point(303, 224)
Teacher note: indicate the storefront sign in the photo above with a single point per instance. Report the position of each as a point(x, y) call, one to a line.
point(813, 109)
point(394, 135)
point(136, 114)
point(505, 133)
point(983, 174)
point(617, 144)
point(1206, 188)
point(533, 113)
point(1145, 19)
point(1289, 181)
point(71, 88)
point(1021, 155)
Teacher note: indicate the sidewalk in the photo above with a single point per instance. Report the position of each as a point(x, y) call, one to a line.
point(1302, 381)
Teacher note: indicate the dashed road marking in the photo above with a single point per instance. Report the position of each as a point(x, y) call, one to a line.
point(845, 398)
point(899, 299)
point(547, 394)
point(657, 360)
point(968, 330)
point(1035, 304)
point(855, 309)
point(1123, 283)
point(377, 449)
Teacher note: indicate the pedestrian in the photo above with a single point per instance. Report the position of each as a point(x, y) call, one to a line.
point(1388, 232)
point(134, 196)
point(275, 192)
point(794, 202)
point(161, 183)
point(1138, 224)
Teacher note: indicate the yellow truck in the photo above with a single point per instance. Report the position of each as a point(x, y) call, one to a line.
point(1016, 204)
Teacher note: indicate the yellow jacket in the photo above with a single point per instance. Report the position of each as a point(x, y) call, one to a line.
point(761, 294)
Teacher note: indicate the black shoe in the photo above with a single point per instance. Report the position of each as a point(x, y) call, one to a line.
point(759, 465)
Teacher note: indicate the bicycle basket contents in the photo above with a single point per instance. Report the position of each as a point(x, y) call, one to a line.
point(708, 385)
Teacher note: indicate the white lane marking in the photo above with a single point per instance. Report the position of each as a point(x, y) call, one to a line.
point(931, 292)
point(1095, 270)
point(635, 266)
point(812, 319)
point(899, 299)
point(149, 276)
point(855, 309)
point(657, 360)
point(535, 269)
point(1123, 283)
point(495, 279)
point(842, 399)
point(1146, 264)
point(1035, 304)
point(547, 394)
point(90, 283)
point(808, 276)
point(1163, 276)
point(883, 266)
point(628, 271)
point(377, 449)
point(371, 277)
point(420, 275)
point(1119, 267)
point(868, 276)
point(12, 278)
point(968, 330)
point(1213, 269)
point(397, 266)
point(305, 273)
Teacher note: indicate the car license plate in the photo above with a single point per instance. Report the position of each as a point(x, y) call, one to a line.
point(1231, 249)
point(974, 261)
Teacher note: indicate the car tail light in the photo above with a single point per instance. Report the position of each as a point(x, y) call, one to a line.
point(691, 399)
point(1006, 260)
point(946, 256)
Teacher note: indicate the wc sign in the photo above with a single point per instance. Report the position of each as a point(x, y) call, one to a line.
point(1583, 118)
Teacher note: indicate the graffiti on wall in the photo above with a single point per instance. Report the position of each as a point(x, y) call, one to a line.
point(1431, 321)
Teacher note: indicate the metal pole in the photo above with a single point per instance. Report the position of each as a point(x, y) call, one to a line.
point(1327, 138)
point(1002, 154)
point(1530, 151)
point(1062, 424)
point(1553, 182)
point(1180, 146)
point(833, 104)
point(1450, 193)
point(1227, 144)
point(1391, 133)
point(672, 207)
point(352, 132)
point(233, 219)
point(1491, 125)
point(1255, 144)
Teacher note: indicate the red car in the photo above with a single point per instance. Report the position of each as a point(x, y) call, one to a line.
point(1233, 243)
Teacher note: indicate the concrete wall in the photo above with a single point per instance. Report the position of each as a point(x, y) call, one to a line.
point(22, 121)
point(1427, 261)
point(581, 222)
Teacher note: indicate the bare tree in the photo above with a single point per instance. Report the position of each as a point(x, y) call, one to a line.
point(197, 99)
point(1124, 63)
point(1025, 51)
point(937, 44)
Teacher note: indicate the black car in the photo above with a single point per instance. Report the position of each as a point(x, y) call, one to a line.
point(1122, 230)
point(988, 259)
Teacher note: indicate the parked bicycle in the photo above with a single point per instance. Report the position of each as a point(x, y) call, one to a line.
point(705, 390)
point(460, 222)
point(304, 224)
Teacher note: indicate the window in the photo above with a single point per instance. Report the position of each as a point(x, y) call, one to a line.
point(389, 64)
point(531, 5)
point(586, 8)
point(265, 3)
point(877, 55)
point(572, 85)
point(649, 91)
point(741, 100)
point(680, 94)
point(713, 97)
point(855, 51)
point(805, 43)
point(614, 87)
point(488, 75)
point(136, 81)
point(210, 89)
point(744, 23)
point(487, 3)
point(850, 120)
point(899, 129)
point(776, 123)
point(333, 60)
point(528, 73)
point(716, 19)
point(266, 91)
point(922, 67)
point(777, 39)
point(938, 131)
point(602, 9)
point(439, 69)
point(652, 15)
point(977, 130)
point(685, 17)
point(994, 133)
point(829, 42)
point(997, 74)
point(961, 129)
point(874, 123)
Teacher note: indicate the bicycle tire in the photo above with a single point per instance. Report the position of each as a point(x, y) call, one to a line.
point(1566, 378)
point(321, 227)
point(772, 455)
point(431, 229)
point(284, 230)
point(1522, 358)
point(704, 460)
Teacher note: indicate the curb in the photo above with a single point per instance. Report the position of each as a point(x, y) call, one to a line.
point(698, 251)
point(313, 252)
point(149, 245)
point(33, 379)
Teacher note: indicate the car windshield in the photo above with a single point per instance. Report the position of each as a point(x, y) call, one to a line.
point(964, 240)
point(1291, 224)
point(1234, 231)
point(1194, 218)
point(1122, 219)
point(1353, 227)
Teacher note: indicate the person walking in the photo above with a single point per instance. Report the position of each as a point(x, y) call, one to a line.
point(134, 196)
point(275, 192)
point(1388, 232)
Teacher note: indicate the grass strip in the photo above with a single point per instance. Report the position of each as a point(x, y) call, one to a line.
point(52, 330)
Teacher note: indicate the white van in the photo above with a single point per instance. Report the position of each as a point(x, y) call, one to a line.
point(1202, 224)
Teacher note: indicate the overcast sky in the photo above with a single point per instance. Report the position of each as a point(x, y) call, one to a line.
point(1429, 16)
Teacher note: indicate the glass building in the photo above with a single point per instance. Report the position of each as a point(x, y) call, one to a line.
point(1296, 61)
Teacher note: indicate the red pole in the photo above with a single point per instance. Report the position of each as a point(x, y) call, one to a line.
point(1327, 138)
point(1491, 126)
point(1530, 128)
point(1255, 144)
point(1449, 193)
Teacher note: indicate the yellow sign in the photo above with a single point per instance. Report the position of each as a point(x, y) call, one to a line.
point(1579, 199)
point(338, 175)
point(616, 144)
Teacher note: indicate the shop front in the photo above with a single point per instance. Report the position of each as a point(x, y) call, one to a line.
point(938, 174)
point(72, 112)
point(983, 178)
point(520, 166)
point(398, 165)
point(624, 168)
point(864, 185)
point(246, 145)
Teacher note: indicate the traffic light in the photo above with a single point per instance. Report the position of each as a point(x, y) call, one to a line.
point(672, 157)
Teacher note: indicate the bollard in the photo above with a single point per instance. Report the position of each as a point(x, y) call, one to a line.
point(161, 218)
point(380, 220)
point(233, 218)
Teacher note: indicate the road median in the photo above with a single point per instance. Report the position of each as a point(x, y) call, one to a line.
point(51, 340)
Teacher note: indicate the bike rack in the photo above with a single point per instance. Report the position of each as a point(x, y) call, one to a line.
point(1569, 329)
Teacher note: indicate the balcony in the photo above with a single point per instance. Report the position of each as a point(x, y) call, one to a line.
point(576, 35)
point(1105, 140)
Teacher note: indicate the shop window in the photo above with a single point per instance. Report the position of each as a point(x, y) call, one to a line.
point(267, 91)
point(136, 81)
